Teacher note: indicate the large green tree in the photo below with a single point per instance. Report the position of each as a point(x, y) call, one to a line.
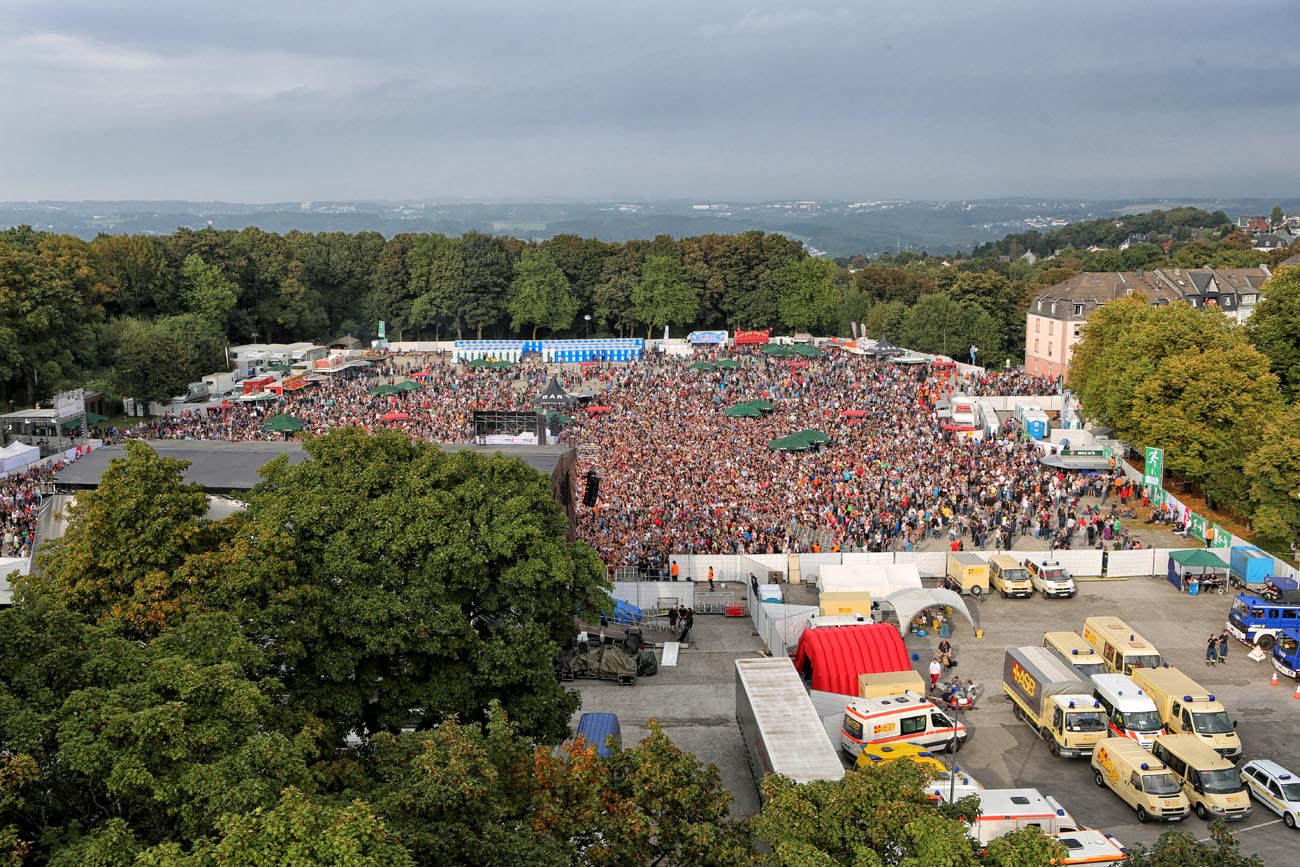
point(120, 559)
point(1275, 327)
point(398, 584)
point(809, 299)
point(540, 295)
point(1272, 471)
point(663, 296)
point(207, 292)
point(150, 364)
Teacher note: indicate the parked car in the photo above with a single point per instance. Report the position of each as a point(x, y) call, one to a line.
point(1275, 787)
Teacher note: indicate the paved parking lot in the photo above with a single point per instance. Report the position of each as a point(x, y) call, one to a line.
point(695, 702)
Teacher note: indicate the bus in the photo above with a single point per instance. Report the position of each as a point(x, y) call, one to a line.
point(1255, 621)
point(1121, 648)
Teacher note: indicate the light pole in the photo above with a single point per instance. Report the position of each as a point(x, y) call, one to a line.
point(952, 753)
point(588, 318)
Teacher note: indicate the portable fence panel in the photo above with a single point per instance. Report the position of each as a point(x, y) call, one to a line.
point(810, 564)
point(929, 564)
point(1085, 564)
point(1131, 564)
point(650, 596)
point(761, 564)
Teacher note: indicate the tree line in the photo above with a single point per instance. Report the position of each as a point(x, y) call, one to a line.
point(357, 671)
point(1222, 400)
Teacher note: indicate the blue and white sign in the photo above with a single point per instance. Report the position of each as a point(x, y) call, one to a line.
point(703, 338)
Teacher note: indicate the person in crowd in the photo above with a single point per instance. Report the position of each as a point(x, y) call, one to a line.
point(936, 671)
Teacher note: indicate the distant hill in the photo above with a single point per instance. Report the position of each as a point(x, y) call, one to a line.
point(1179, 224)
point(836, 228)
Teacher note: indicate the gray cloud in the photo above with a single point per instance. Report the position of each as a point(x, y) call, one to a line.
point(299, 100)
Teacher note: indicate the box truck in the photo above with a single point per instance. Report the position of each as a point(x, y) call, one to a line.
point(782, 731)
point(1053, 700)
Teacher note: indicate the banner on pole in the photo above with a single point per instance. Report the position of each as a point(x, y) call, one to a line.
point(1196, 526)
point(1222, 537)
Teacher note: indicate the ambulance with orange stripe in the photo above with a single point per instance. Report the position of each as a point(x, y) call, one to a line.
point(1130, 712)
point(904, 718)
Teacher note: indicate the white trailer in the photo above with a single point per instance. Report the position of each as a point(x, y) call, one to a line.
point(782, 731)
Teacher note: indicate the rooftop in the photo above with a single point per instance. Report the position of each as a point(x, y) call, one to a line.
point(222, 467)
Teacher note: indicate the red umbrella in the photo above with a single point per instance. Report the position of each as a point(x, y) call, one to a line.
point(597, 409)
point(798, 364)
point(394, 416)
point(224, 405)
point(854, 413)
point(588, 364)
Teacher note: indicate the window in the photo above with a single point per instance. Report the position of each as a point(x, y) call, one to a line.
point(1053, 308)
point(1051, 326)
point(1078, 310)
point(914, 725)
point(1274, 789)
point(1038, 324)
point(940, 721)
point(1135, 781)
point(1035, 344)
point(1040, 305)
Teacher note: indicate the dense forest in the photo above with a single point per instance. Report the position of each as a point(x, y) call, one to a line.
point(100, 313)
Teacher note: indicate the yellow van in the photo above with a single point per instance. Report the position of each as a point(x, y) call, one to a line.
point(1209, 780)
point(1143, 783)
point(1009, 578)
point(1120, 646)
point(879, 754)
point(1189, 708)
point(1076, 652)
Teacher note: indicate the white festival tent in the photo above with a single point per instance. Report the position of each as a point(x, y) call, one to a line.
point(17, 456)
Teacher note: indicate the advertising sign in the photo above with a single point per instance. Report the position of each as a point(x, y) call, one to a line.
point(70, 404)
point(1196, 526)
point(1222, 537)
point(381, 333)
point(702, 338)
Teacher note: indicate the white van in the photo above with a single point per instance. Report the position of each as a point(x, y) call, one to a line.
point(1130, 712)
point(908, 717)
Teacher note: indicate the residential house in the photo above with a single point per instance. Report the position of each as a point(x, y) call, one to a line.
point(1054, 323)
point(1269, 243)
point(1133, 239)
point(1253, 224)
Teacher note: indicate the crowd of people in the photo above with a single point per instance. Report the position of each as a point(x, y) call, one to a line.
point(680, 476)
point(21, 496)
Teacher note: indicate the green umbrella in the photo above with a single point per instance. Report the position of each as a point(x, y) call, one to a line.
point(812, 436)
point(743, 410)
point(702, 365)
point(283, 424)
point(95, 418)
point(480, 362)
point(408, 385)
point(728, 364)
point(791, 443)
point(807, 351)
point(385, 390)
point(759, 403)
point(281, 368)
point(775, 350)
point(502, 364)
point(558, 418)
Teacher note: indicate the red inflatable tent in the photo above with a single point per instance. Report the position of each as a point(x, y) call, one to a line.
point(836, 655)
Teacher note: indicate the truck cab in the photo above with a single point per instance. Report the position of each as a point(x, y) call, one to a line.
point(1140, 781)
point(1253, 620)
point(1286, 652)
point(1009, 577)
point(909, 717)
point(1051, 579)
point(1187, 708)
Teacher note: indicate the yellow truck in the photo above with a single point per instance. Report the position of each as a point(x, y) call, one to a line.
point(887, 683)
point(1051, 697)
point(1142, 782)
point(1121, 648)
point(1076, 652)
point(1188, 708)
point(969, 573)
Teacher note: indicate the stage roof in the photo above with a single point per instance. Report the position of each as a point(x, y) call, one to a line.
point(223, 467)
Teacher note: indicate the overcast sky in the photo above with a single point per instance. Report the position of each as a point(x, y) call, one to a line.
point(283, 100)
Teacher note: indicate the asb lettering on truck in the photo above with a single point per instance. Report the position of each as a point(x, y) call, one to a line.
point(883, 727)
point(1024, 679)
point(1107, 764)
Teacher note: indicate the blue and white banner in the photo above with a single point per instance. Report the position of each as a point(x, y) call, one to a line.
point(701, 338)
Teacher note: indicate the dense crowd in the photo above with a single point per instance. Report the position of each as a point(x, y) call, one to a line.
point(20, 508)
point(680, 476)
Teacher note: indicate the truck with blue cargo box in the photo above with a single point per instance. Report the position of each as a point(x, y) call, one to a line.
point(1249, 566)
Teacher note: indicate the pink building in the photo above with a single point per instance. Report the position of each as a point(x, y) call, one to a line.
point(1054, 323)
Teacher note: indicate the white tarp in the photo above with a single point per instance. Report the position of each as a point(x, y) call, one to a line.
point(1132, 564)
point(17, 456)
point(907, 603)
point(878, 579)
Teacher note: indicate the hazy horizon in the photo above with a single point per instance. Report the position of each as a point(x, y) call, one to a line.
point(727, 101)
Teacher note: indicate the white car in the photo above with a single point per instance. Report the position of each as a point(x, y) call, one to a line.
point(1275, 787)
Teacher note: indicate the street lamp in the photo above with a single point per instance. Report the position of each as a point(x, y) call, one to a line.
point(588, 318)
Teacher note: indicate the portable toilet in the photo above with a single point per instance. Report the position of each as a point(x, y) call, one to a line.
point(1036, 425)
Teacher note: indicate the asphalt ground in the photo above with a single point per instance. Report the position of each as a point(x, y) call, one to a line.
point(695, 702)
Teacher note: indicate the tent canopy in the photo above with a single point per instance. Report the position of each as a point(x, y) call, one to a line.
point(703, 365)
point(283, 424)
point(728, 364)
point(1197, 557)
point(908, 602)
point(836, 655)
point(776, 350)
point(17, 455)
point(554, 395)
point(885, 349)
point(807, 351)
point(743, 410)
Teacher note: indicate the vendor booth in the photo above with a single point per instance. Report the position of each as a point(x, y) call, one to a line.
point(1195, 569)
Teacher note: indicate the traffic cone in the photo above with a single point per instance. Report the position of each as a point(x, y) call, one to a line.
point(1273, 682)
point(1297, 692)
